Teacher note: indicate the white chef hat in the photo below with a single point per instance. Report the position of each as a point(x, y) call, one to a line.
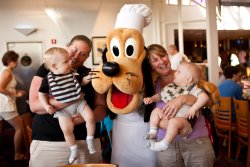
point(135, 16)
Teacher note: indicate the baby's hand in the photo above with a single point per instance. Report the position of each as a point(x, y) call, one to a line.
point(190, 114)
point(147, 100)
point(50, 109)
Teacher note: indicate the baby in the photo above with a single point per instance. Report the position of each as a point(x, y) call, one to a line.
point(185, 79)
point(62, 85)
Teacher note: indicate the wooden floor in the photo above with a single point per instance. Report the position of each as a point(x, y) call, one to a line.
point(7, 153)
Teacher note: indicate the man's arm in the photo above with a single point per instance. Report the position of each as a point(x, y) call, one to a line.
point(100, 109)
point(35, 104)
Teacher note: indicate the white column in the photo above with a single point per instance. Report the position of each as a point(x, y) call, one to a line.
point(180, 27)
point(157, 20)
point(212, 41)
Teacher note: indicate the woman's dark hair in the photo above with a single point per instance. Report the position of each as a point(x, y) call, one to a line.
point(81, 38)
point(9, 56)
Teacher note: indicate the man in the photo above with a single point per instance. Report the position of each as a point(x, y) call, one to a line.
point(230, 87)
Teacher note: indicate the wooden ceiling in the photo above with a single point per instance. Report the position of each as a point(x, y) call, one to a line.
point(191, 35)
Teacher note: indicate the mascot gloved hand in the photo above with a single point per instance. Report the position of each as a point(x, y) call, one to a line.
point(211, 90)
point(125, 74)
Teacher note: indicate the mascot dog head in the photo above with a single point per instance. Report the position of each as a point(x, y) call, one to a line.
point(125, 75)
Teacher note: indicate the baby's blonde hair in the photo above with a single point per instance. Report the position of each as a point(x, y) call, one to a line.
point(52, 55)
point(194, 70)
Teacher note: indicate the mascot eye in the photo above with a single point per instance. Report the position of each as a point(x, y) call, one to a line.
point(130, 48)
point(115, 46)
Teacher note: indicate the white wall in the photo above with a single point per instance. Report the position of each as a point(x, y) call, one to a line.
point(97, 18)
point(192, 17)
point(91, 18)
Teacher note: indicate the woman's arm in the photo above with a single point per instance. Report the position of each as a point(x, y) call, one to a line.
point(35, 104)
point(4, 81)
point(100, 109)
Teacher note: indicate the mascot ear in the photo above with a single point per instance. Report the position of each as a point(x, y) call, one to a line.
point(104, 59)
point(149, 88)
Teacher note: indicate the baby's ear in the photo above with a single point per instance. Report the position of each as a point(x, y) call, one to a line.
point(189, 79)
point(53, 66)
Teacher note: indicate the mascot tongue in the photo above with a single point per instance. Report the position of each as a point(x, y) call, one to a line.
point(119, 99)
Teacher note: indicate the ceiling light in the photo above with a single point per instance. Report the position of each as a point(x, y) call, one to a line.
point(26, 31)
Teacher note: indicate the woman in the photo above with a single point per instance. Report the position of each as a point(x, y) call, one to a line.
point(8, 95)
point(196, 150)
point(48, 143)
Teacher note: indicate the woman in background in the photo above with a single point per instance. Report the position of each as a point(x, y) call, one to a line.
point(8, 95)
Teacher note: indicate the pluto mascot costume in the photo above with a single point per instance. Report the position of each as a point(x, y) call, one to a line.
point(125, 76)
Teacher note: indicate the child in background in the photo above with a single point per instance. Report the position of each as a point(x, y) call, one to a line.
point(185, 79)
point(62, 84)
point(175, 57)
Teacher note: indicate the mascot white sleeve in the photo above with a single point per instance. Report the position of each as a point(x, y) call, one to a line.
point(125, 76)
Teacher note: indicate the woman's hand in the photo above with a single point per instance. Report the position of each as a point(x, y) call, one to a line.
point(174, 105)
point(77, 119)
point(171, 108)
point(50, 109)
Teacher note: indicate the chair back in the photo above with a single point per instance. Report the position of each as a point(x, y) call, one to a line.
point(223, 113)
point(26, 121)
point(29, 133)
point(91, 165)
point(223, 120)
point(242, 111)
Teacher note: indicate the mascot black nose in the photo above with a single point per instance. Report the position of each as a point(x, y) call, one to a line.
point(110, 68)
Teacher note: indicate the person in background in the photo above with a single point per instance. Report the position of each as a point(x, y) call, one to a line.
point(48, 147)
point(194, 151)
point(8, 95)
point(175, 57)
point(225, 59)
point(230, 87)
point(221, 75)
point(243, 58)
point(61, 84)
point(243, 62)
point(185, 82)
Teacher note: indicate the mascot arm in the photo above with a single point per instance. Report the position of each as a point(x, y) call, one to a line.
point(212, 91)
